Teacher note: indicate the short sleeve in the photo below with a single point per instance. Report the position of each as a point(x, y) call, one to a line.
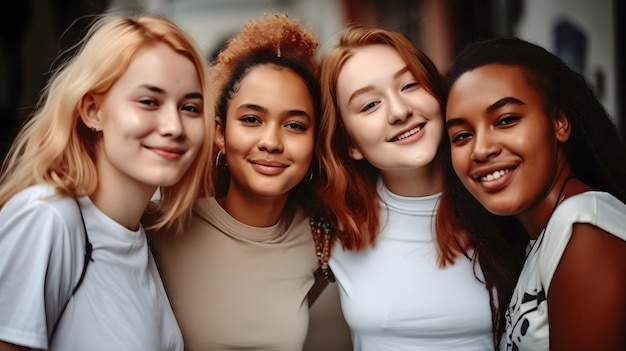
point(596, 208)
point(38, 266)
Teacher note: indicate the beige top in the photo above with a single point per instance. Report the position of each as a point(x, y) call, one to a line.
point(233, 286)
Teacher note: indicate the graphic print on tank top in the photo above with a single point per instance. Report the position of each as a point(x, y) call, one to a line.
point(527, 304)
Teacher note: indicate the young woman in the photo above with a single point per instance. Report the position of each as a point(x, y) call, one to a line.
point(532, 144)
point(239, 276)
point(402, 287)
point(127, 114)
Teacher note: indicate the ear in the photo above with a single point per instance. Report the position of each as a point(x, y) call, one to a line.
point(220, 139)
point(89, 110)
point(562, 127)
point(355, 153)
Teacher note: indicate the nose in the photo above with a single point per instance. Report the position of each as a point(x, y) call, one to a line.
point(270, 140)
point(170, 122)
point(399, 110)
point(485, 147)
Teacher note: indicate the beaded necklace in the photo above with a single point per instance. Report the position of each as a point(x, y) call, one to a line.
point(321, 236)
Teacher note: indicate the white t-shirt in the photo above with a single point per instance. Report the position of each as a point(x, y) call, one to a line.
point(394, 296)
point(121, 304)
point(527, 315)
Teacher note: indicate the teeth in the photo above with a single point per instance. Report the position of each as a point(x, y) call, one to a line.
point(493, 176)
point(408, 133)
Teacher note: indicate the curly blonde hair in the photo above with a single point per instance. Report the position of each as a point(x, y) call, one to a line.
point(274, 34)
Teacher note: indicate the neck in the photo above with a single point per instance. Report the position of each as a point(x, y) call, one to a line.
point(422, 181)
point(125, 205)
point(565, 185)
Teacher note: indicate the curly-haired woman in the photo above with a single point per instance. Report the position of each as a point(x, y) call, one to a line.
point(239, 276)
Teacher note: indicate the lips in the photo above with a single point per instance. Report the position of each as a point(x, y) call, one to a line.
point(269, 168)
point(408, 133)
point(168, 152)
point(269, 164)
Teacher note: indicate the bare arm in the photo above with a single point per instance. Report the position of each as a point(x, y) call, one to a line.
point(587, 295)
point(5, 346)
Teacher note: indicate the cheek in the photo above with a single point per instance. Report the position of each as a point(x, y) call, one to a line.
point(432, 107)
point(459, 162)
point(195, 131)
point(126, 124)
point(364, 133)
point(304, 149)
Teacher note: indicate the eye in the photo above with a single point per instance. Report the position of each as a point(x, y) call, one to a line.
point(507, 120)
point(193, 108)
point(410, 86)
point(460, 137)
point(250, 120)
point(148, 102)
point(296, 126)
point(369, 106)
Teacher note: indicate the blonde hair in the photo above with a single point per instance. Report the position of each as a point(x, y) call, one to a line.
point(55, 147)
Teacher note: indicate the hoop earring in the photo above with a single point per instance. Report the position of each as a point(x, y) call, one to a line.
point(310, 174)
point(217, 159)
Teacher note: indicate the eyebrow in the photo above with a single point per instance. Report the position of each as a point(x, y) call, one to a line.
point(509, 100)
point(367, 88)
point(155, 89)
point(262, 109)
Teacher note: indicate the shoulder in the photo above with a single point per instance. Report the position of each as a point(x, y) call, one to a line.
point(600, 209)
point(40, 196)
point(38, 210)
point(581, 225)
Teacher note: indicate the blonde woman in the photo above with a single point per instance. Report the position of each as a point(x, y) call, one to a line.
point(127, 114)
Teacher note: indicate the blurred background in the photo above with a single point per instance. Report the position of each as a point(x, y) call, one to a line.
point(587, 34)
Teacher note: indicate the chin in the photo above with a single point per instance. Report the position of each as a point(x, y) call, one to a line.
point(503, 210)
point(166, 181)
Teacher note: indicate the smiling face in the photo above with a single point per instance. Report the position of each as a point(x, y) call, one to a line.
point(269, 133)
point(151, 120)
point(393, 121)
point(504, 145)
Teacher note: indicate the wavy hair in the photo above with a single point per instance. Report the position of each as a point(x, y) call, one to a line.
point(349, 187)
point(272, 39)
point(55, 147)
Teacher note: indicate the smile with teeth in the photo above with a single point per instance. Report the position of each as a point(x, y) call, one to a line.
point(493, 176)
point(407, 133)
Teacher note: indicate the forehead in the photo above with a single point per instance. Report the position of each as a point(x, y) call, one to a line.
point(161, 66)
point(368, 63)
point(486, 84)
point(274, 87)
